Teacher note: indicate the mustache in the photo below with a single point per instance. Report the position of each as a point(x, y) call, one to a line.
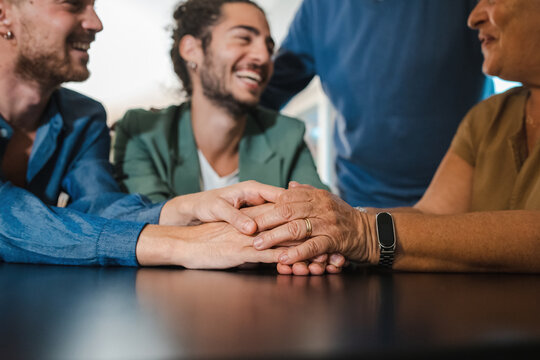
point(89, 38)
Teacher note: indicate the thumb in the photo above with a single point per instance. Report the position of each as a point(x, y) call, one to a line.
point(240, 221)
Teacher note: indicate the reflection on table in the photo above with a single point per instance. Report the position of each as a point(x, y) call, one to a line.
point(52, 312)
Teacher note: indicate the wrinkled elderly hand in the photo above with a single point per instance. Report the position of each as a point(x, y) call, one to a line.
point(336, 227)
point(331, 263)
point(220, 205)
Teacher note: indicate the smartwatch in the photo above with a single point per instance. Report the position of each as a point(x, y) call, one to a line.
point(387, 239)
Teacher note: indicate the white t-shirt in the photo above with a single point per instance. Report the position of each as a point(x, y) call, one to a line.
point(210, 179)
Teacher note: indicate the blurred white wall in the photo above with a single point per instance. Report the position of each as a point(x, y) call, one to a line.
point(130, 61)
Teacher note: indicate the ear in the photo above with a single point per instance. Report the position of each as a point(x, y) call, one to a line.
point(5, 17)
point(190, 49)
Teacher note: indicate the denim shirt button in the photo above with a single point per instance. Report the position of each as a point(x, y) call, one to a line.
point(3, 133)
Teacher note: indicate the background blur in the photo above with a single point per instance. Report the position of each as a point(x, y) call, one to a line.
point(130, 60)
point(131, 68)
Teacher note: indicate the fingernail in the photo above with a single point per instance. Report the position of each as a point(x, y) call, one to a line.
point(283, 258)
point(335, 258)
point(257, 243)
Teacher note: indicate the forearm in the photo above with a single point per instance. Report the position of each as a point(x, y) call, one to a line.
point(208, 246)
point(484, 241)
point(375, 211)
point(156, 246)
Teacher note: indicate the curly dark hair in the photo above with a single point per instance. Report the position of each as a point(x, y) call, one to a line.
point(195, 18)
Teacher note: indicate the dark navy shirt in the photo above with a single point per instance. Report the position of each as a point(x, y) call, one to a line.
point(100, 225)
point(401, 75)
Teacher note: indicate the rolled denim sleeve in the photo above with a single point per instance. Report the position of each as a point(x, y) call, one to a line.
point(92, 187)
point(32, 232)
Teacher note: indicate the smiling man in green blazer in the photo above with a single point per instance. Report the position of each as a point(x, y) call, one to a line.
point(222, 53)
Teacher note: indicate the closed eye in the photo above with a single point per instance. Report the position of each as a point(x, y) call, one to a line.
point(74, 5)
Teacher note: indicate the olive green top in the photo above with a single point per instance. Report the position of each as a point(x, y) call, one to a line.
point(492, 139)
point(155, 153)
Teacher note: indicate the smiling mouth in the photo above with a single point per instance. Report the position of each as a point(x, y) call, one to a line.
point(80, 45)
point(249, 76)
point(486, 39)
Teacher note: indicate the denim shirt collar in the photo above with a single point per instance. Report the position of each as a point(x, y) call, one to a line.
point(46, 138)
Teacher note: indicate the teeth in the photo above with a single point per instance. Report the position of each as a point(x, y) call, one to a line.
point(81, 46)
point(249, 75)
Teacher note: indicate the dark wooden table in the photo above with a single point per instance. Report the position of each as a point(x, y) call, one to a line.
point(50, 312)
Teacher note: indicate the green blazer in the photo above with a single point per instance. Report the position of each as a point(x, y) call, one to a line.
point(155, 153)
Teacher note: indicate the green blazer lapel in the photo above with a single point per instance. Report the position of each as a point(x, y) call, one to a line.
point(258, 161)
point(186, 169)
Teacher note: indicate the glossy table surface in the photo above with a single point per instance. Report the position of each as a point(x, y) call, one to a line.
point(52, 312)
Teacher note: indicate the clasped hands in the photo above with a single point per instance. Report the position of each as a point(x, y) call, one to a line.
point(318, 229)
point(302, 229)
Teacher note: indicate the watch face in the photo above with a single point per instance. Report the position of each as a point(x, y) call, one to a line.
point(385, 230)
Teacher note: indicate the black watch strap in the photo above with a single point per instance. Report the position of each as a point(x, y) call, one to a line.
point(387, 239)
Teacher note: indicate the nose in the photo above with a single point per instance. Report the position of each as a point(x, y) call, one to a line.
point(91, 21)
point(260, 52)
point(477, 16)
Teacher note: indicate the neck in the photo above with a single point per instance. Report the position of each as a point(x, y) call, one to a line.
point(22, 102)
point(216, 131)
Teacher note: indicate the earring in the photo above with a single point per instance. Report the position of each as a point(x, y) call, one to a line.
point(192, 65)
point(8, 35)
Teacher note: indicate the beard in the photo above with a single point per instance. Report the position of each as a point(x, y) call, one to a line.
point(48, 67)
point(213, 88)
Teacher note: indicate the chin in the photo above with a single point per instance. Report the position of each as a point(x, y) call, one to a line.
point(491, 67)
point(78, 75)
point(252, 100)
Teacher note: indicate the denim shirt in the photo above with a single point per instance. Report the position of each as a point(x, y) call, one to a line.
point(70, 154)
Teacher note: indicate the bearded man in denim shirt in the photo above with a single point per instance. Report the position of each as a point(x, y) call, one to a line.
point(54, 141)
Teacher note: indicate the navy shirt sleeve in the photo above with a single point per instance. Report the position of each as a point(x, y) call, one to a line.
point(294, 62)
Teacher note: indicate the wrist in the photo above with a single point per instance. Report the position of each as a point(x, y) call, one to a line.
point(177, 211)
point(372, 243)
point(366, 237)
point(386, 239)
point(157, 246)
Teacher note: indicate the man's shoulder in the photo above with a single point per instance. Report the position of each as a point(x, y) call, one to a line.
point(138, 120)
point(74, 105)
point(284, 133)
point(275, 121)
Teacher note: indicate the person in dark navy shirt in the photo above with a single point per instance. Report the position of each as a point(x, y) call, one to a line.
point(401, 76)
